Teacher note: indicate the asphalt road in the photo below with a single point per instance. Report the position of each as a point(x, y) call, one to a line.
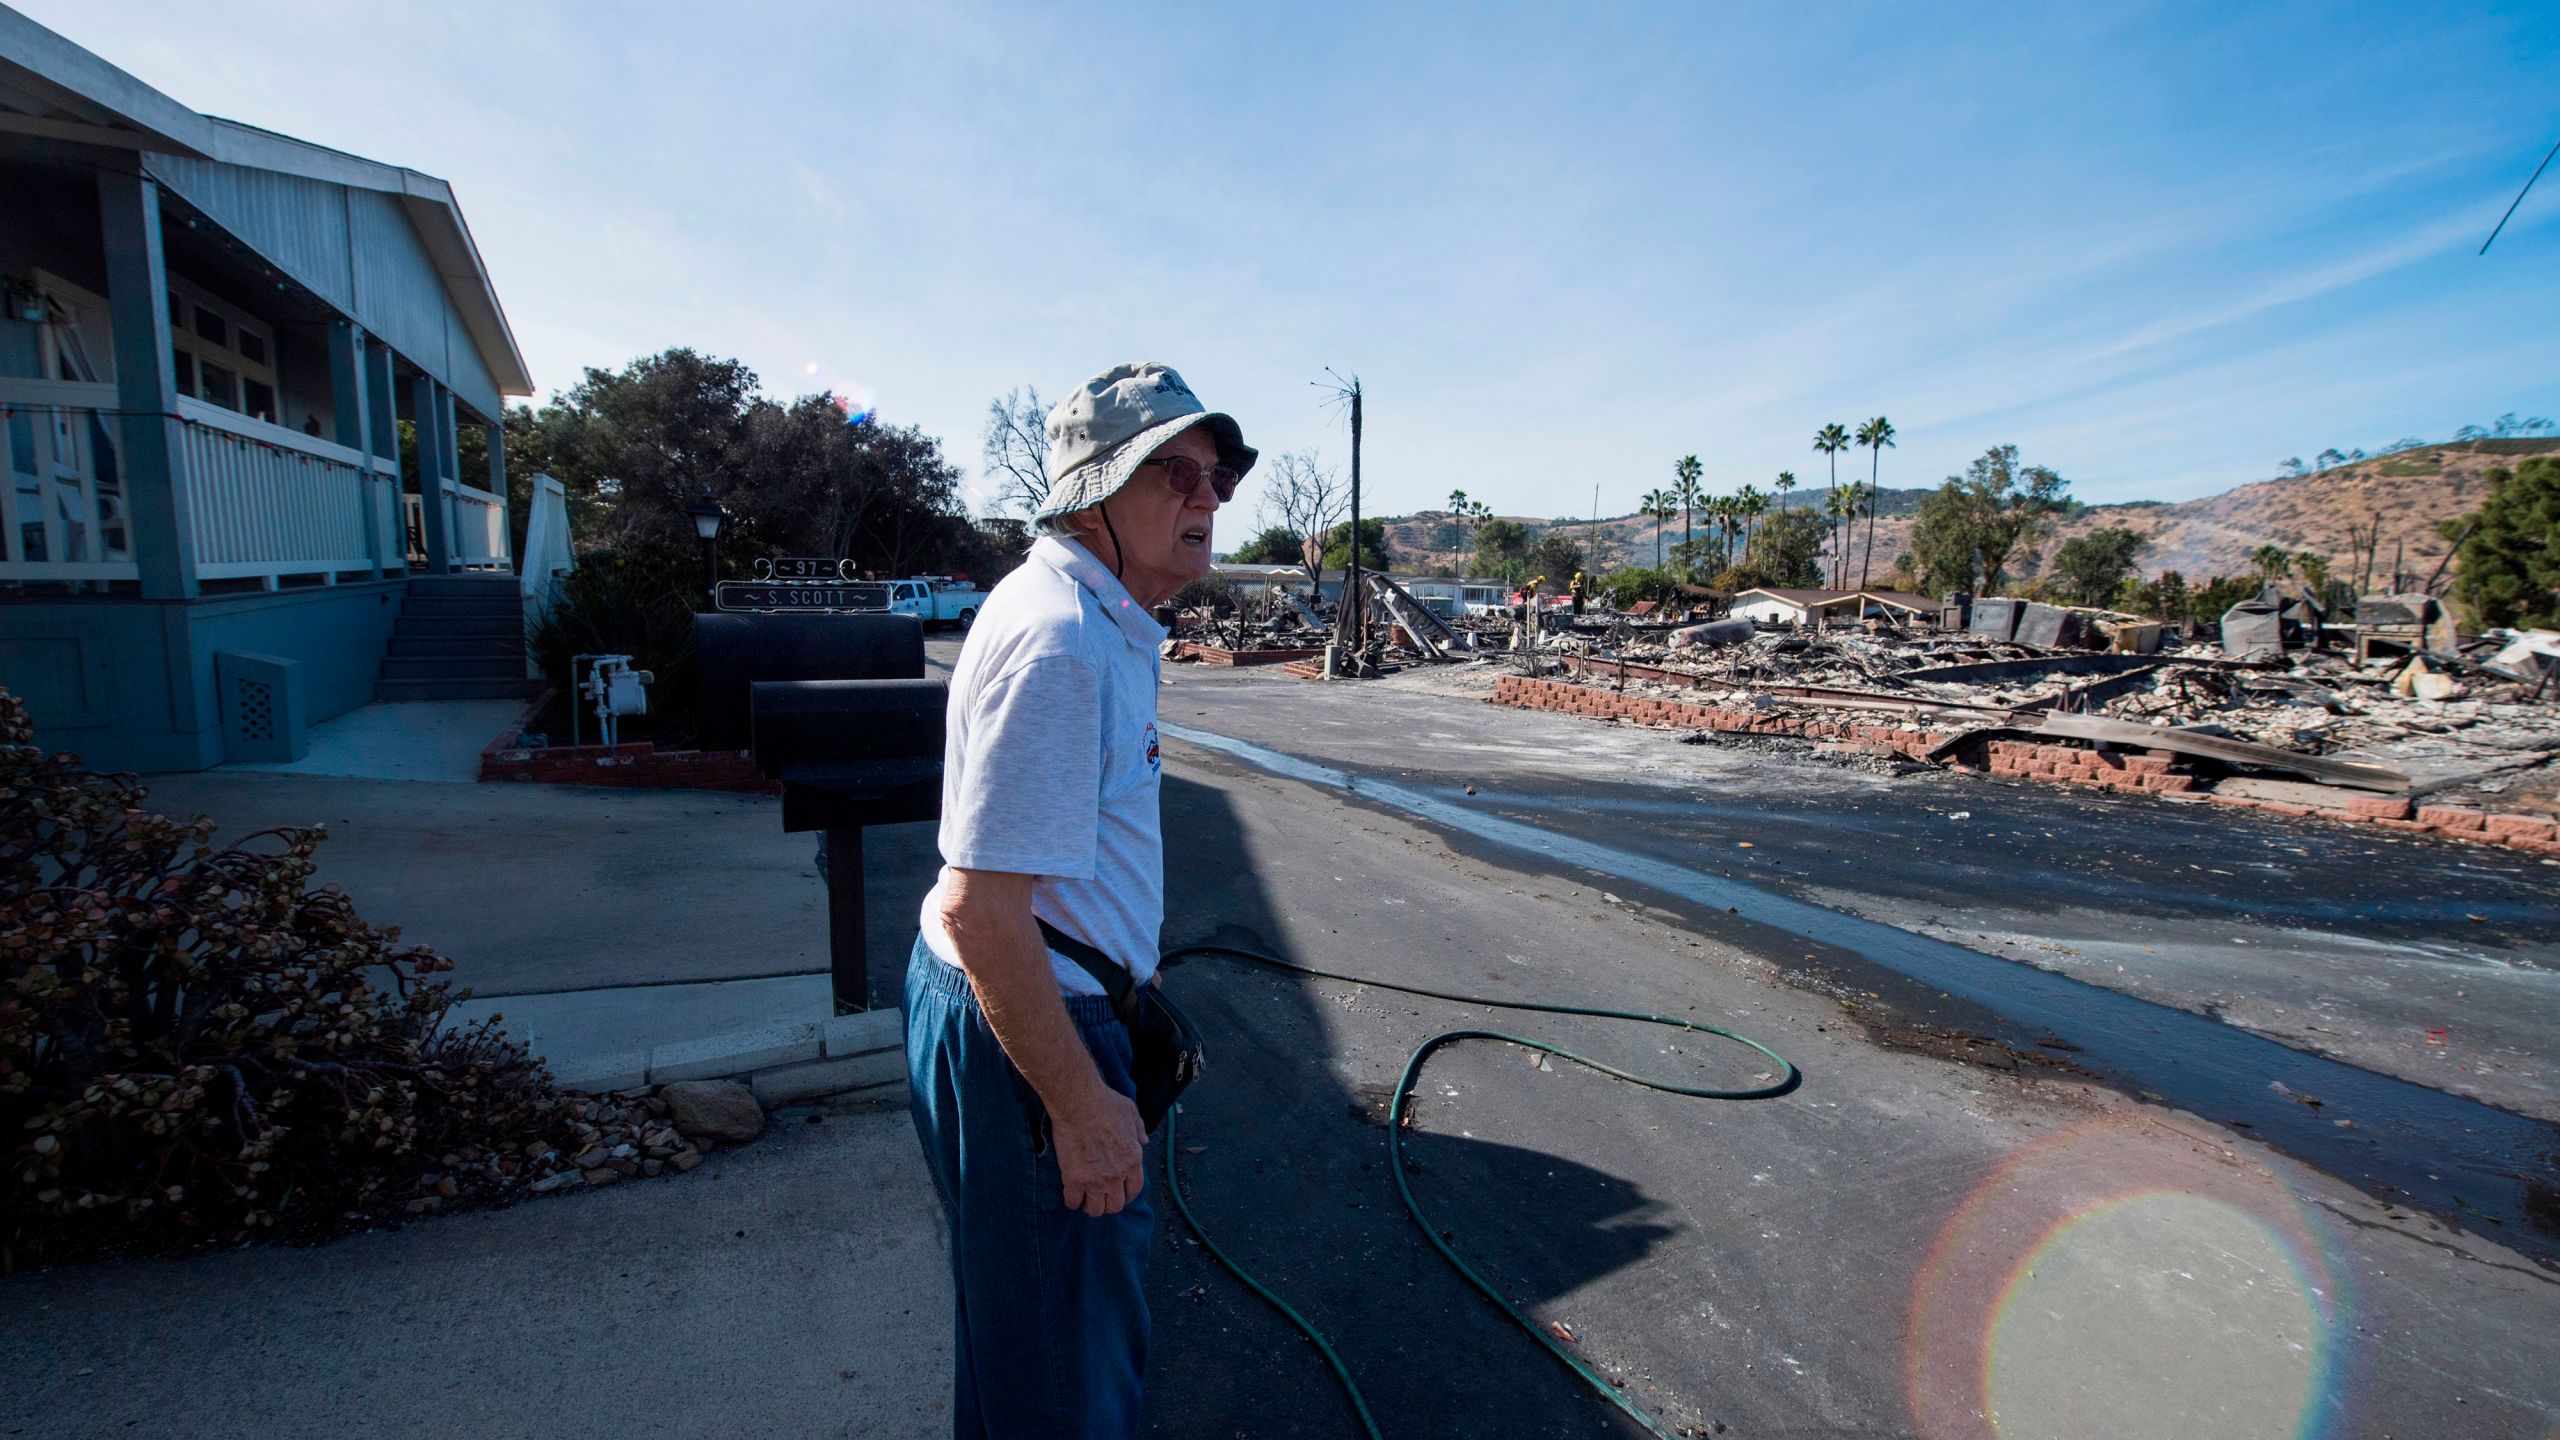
point(1907, 1243)
point(1925, 1235)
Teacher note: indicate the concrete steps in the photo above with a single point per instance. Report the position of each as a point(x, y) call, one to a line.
point(390, 691)
point(459, 637)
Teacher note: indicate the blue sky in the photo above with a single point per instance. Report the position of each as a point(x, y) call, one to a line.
point(2158, 247)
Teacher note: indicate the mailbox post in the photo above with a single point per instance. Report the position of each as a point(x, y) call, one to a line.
point(850, 754)
point(836, 707)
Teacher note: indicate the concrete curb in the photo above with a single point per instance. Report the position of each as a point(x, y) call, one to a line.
point(2153, 775)
point(783, 1063)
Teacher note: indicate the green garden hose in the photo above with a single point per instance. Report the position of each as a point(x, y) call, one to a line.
point(1786, 1081)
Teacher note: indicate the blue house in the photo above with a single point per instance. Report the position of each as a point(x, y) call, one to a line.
point(211, 337)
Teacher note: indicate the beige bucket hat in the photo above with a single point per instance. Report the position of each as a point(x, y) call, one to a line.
point(1114, 421)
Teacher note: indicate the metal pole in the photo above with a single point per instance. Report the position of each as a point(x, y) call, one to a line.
point(848, 949)
point(1359, 630)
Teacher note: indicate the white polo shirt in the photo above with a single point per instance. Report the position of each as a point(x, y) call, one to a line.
point(1049, 762)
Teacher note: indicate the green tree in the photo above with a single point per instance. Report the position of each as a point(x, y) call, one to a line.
point(2162, 599)
point(2510, 565)
point(1785, 482)
point(1968, 528)
point(2273, 562)
point(1502, 548)
point(1459, 511)
point(2206, 603)
point(1686, 489)
point(1626, 587)
point(1275, 545)
point(1787, 549)
point(1749, 505)
point(2091, 568)
point(1877, 436)
point(1555, 556)
point(634, 447)
point(1374, 554)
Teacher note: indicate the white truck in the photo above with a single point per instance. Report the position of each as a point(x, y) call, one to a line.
point(937, 600)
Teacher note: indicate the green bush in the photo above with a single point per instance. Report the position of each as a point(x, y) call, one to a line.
point(2510, 559)
point(638, 601)
point(1642, 582)
point(195, 1049)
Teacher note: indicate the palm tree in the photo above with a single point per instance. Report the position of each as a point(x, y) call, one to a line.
point(1785, 482)
point(1686, 489)
point(1831, 440)
point(1751, 505)
point(1656, 505)
point(1877, 436)
point(1458, 512)
point(1838, 509)
point(2274, 562)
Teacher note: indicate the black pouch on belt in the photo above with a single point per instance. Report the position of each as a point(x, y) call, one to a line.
point(1164, 1049)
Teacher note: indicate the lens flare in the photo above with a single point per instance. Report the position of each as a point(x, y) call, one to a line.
point(2129, 1279)
point(856, 401)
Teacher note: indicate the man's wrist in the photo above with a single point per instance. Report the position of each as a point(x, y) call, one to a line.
point(1087, 1096)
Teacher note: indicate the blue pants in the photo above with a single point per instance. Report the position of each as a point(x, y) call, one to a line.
point(1049, 1304)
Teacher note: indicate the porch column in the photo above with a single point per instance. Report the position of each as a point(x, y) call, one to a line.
point(353, 423)
point(426, 407)
point(382, 409)
point(497, 432)
point(161, 528)
point(451, 449)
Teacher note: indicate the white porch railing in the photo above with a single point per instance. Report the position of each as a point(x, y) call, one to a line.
point(475, 528)
point(59, 519)
point(266, 502)
point(475, 523)
point(263, 502)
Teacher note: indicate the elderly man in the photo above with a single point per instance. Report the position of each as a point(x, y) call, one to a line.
point(1019, 1069)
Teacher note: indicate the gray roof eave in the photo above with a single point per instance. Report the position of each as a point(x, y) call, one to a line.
point(128, 113)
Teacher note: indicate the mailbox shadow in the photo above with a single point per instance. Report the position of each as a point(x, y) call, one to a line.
point(1286, 1164)
point(899, 865)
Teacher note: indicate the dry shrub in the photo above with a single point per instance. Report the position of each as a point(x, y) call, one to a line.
point(195, 1049)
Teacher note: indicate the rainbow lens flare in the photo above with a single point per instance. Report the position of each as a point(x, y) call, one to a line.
point(2128, 1278)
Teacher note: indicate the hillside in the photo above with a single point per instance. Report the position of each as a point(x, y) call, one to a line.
point(2408, 491)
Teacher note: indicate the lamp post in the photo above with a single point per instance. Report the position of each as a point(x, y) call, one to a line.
point(707, 515)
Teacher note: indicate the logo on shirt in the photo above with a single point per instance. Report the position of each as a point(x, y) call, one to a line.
point(1154, 760)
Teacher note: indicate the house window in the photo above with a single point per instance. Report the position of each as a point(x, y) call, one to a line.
point(224, 356)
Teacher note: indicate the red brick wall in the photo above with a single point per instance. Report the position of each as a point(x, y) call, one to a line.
point(638, 765)
point(2029, 760)
point(1566, 698)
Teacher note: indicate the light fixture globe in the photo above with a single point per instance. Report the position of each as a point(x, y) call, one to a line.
point(707, 515)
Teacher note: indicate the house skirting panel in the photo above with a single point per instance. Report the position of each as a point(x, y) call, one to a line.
point(129, 684)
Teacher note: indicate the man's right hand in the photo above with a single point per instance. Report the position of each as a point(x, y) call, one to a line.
point(1102, 1152)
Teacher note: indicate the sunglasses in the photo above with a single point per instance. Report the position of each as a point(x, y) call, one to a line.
point(1185, 474)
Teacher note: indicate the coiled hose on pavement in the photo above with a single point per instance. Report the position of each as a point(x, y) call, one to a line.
point(1787, 1080)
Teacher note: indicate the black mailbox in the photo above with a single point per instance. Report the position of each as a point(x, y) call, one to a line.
point(837, 708)
point(851, 753)
point(733, 652)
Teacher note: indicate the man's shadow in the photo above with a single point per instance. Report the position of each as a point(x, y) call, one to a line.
point(1286, 1164)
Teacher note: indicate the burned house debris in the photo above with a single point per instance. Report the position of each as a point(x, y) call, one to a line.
point(2384, 715)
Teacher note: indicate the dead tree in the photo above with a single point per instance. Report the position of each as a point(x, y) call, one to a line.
point(1307, 500)
point(1017, 448)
